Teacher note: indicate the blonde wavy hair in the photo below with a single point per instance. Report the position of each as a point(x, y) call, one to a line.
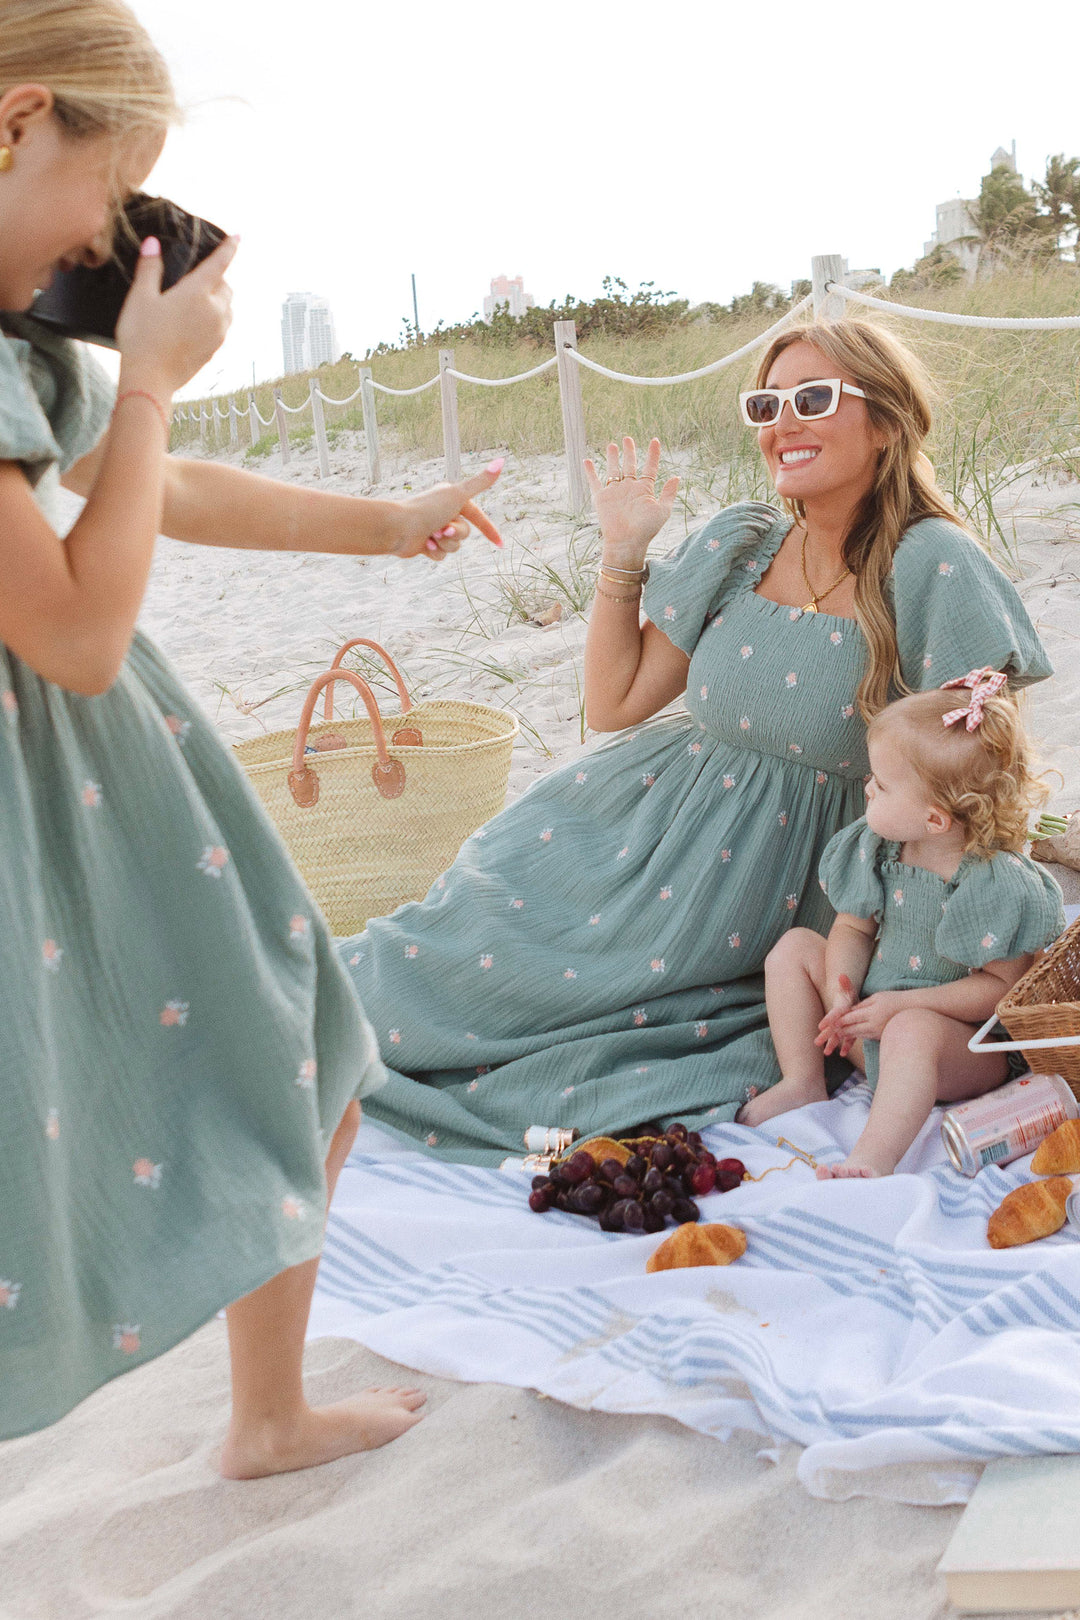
point(984, 779)
point(898, 400)
point(95, 56)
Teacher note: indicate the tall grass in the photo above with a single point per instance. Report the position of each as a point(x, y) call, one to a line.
point(1003, 397)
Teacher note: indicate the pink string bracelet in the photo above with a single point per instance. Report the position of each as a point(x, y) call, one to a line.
point(142, 393)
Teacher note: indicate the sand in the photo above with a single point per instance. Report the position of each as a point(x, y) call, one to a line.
point(500, 1504)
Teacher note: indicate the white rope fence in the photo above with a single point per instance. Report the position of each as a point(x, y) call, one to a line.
point(828, 302)
point(991, 323)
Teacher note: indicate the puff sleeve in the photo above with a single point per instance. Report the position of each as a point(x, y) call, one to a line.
point(957, 611)
point(689, 586)
point(55, 399)
point(850, 871)
point(1002, 908)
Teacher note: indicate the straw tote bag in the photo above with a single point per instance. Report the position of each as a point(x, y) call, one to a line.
point(370, 822)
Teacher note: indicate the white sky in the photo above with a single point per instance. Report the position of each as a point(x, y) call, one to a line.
point(695, 144)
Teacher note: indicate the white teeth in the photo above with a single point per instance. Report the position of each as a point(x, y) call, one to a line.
point(788, 457)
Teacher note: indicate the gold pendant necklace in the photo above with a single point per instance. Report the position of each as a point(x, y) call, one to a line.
point(818, 596)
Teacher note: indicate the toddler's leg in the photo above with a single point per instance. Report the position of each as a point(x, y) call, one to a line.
point(923, 1059)
point(273, 1429)
point(795, 998)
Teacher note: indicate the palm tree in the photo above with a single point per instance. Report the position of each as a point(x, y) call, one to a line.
point(1059, 195)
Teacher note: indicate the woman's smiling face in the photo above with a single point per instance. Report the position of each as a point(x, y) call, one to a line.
point(834, 456)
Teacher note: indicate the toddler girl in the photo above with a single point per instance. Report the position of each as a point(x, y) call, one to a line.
point(182, 1051)
point(938, 914)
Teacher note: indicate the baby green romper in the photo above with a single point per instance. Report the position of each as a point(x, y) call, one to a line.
point(932, 931)
point(594, 955)
point(179, 1040)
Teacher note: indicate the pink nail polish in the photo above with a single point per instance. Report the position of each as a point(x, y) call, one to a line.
point(150, 249)
point(431, 545)
point(495, 466)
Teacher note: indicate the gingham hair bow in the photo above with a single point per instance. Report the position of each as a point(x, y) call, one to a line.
point(983, 683)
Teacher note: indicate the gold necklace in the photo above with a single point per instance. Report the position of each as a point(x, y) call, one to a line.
point(818, 596)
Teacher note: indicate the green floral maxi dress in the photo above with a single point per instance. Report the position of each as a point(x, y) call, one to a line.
point(594, 955)
point(179, 1039)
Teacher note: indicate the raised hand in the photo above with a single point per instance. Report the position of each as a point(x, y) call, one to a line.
point(629, 510)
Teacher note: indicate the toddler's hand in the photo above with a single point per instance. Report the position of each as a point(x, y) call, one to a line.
point(867, 1019)
point(830, 1034)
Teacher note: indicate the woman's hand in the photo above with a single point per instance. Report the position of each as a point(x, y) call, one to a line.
point(628, 509)
point(867, 1019)
point(433, 523)
point(164, 338)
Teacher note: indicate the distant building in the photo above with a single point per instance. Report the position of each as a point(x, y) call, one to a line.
point(308, 338)
point(510, 293)
point(956, 230)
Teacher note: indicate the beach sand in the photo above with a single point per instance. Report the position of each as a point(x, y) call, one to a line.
point(500, 1504)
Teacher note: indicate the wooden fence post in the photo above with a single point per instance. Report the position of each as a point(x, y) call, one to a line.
point(450, 434)
point(371, 425)
point(824, 268)
point(254, 425)
point(282, 427)
point(202, 425)
point(320, 427)
point(234, 431)
point(573, 414)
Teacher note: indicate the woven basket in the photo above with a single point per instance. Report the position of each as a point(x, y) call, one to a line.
point(371, 822)
point(1045, 1003)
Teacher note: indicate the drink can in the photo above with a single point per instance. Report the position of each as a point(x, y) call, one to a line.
point(1006, 1123)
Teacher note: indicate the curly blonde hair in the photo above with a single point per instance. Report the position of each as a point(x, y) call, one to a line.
point(984, 779)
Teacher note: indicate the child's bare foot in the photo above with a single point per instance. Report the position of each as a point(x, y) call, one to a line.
point(851, 1171)
point(778, 1099)
point(319, 1434)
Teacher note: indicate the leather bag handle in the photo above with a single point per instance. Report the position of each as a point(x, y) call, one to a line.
point(387, 774)
point(362, 641)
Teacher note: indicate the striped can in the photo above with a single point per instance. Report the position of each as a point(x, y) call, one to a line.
point(1006, 1123)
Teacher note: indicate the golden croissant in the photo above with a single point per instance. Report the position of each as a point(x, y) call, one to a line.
point(1059, 1153)
point(692, 1245)
point(1033, 1211)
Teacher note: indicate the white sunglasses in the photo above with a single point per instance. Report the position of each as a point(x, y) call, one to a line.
point(809, 401)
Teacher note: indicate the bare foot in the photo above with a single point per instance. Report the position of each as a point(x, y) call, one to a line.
point(849, 1171)
point(789, 1093)
point(320, 1434)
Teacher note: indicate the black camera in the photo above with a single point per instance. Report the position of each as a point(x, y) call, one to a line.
point(85, 303)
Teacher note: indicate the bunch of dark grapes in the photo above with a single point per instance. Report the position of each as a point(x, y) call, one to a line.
point(661, 1178)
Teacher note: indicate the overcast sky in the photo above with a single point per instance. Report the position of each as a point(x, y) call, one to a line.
point(696, 145)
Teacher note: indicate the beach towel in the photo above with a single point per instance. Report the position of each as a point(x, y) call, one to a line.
point(869, 1321)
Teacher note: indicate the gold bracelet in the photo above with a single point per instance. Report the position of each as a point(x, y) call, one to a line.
point(613, 579)
point(613, 598)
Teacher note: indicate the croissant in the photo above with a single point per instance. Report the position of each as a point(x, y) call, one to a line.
point(692, 1245)
point(1029, 1212)
point(1059, 1153)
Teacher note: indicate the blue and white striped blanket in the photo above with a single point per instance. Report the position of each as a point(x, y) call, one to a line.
point(868, 1321)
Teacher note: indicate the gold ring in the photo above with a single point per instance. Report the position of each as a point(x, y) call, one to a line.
point(616, 479)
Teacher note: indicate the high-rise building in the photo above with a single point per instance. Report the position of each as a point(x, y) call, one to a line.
point(308, 338)
point(510, 293)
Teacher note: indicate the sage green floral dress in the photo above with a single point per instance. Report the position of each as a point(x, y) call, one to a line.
point(932, 930)
point(594, 955)
point(179, 1041)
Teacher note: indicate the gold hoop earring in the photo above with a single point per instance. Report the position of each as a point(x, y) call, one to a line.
point(6, 159)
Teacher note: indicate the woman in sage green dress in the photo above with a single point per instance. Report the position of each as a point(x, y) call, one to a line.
point(593, 957)
point(182, 1052)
